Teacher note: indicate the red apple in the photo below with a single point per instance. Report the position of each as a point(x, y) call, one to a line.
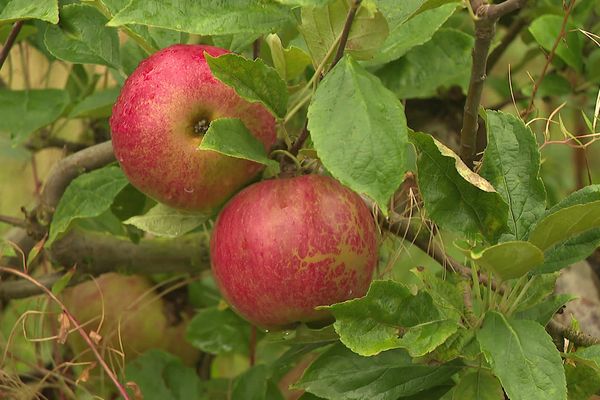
point(158, 121)
point(282, 247)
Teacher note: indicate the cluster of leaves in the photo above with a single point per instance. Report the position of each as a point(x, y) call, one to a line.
point(426, 338)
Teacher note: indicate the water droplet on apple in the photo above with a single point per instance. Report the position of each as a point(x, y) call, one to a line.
point(121, 159)
point(190, 190)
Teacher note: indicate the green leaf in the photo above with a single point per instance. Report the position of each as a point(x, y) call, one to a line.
point(229, 136)
point(583, 196)
point(407, 33)
point(478, 385)
point(425, 338)
point(455, 197)
point(14, 10)
point(217, 331)
point(255, 384)
point(565, 223)
point(447, 296)
point(322, 27)
point(541, 287)
point(511, 163)
point(289, 63)
point(523, 357)
point(546, 29)
point(340, 374)
point(62, 283)
point(419, 75)
point(235, 42)
point(23, 112)
point(252, 80)
point(161, 376)
point(205, 17)
point(582, 381)
point(88, 196)
point(81, 37)
point(374, 323)
point(167, 222)
point(570, 251)
point(545, 310)
point(97, 105)
point(461, 344)
point(352, 107)
point(509, 260)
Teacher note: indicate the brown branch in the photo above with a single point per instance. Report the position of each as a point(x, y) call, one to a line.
point(346, 32)
point(6, 219)
point(95, 253)
point(69, 168)
point(10, 41)
point(63, 172)
point(485, 26)
point(549, 58)
point(579, 338)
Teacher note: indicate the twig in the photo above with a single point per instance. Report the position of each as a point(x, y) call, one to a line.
point(579, 338)
point(10, 41)
point(346, 32)
point(549, 59)
point(13, 221)
point(486, 16)
point(74, 322)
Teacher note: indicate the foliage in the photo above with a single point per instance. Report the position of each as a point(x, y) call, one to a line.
point(383, 108)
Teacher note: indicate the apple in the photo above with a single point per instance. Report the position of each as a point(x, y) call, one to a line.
point(282, 247)
point(158, 121)
point(124, 310)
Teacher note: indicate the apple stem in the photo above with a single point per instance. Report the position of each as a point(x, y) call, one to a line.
point(252, 345)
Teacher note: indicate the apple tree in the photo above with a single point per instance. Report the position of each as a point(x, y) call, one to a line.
point(297, 199)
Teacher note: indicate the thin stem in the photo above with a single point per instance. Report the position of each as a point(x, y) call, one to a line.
point(13, 221)
point(346, 31)
point(73, 321)
point(486, 16)
point(300, 140)
point(549, 58)
point(10, 41)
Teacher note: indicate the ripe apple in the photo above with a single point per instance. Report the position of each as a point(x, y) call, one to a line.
point(129, 313)
point(282, 247)
point(158, 121)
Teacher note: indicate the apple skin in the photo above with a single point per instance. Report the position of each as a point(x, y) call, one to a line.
point(153, 133)
point(131, 312)
point(282, 247)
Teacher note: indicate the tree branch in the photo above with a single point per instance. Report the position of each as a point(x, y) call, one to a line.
point(95, 253)
point(346, 32)
point(10, 41)
point(69, 168)
point(486, 16)
point(579, 338)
